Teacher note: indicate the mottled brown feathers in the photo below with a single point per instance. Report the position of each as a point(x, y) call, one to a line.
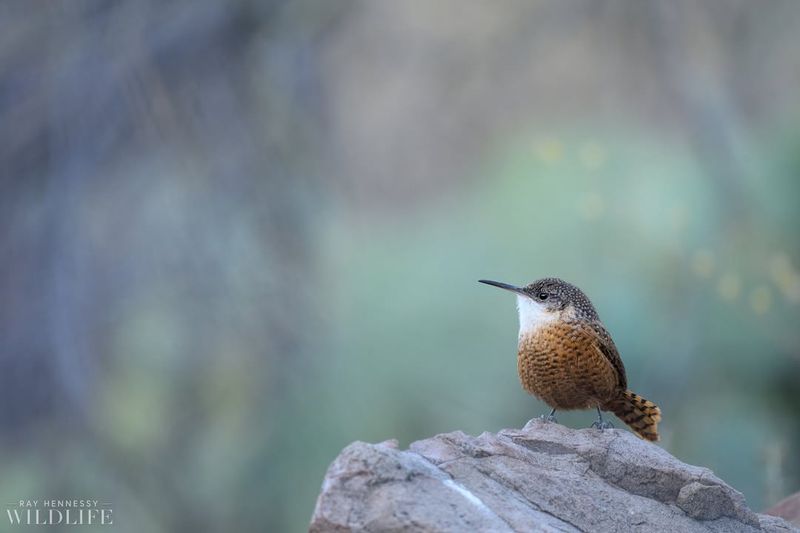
point(572, 362)
point(575, 365)
point(563, 364)
point(567, 358)
point(641, 415)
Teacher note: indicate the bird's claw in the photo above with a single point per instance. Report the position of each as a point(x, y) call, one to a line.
point(602, 424)
point(548, 418)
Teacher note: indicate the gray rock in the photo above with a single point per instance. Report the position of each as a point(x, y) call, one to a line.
point(544, 477)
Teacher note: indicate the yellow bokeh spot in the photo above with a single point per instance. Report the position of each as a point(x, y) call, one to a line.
point(785, 276)
point(592, 206)
point(549, 151)
point(592, 155)
point(761, 299)
point(729, 287)
point(779, 265)
point(703, 263)
point(131, 411)
point(792, 290)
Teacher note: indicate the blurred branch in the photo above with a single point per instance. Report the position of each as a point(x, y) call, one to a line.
point(713, 122)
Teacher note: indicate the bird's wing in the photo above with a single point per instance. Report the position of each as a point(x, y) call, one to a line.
point(606, 346)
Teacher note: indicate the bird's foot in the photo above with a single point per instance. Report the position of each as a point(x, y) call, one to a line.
point(602, 424)
point(548, 418)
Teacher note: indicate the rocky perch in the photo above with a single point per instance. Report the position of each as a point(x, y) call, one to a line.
point(544, 477)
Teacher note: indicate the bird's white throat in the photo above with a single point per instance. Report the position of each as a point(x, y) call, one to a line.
point(532, 315)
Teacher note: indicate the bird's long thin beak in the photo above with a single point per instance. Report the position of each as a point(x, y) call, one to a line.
point(501, 285)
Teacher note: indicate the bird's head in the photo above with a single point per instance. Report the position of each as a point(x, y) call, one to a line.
point(547, 300)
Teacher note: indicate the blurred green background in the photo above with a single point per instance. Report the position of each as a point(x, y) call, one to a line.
point(238, 235)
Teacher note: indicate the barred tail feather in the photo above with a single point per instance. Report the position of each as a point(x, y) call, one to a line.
point(641, 415)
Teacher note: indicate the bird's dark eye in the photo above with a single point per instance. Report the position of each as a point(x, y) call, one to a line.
point(543, 295)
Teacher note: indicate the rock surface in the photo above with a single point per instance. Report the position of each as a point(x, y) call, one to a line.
point(544, 477)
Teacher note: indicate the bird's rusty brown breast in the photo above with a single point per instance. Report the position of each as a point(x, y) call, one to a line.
point(562, 364)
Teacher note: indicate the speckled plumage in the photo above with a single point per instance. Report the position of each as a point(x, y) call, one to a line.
point(567, 358)
point(562, 365)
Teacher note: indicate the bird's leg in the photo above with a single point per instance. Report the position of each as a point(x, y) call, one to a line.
point(600, 423)
point(549, 418)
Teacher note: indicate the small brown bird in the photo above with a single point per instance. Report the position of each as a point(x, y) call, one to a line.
point(567, 358)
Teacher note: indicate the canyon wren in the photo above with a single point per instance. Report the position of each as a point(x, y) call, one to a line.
point(567, 359)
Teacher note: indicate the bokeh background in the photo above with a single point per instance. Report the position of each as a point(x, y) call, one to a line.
point(237, 235)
